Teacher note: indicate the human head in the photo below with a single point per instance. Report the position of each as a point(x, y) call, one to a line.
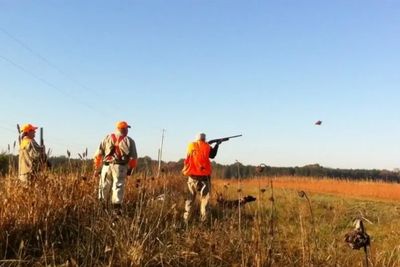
point(201, 137)
point(29, 130)
point(122, 127)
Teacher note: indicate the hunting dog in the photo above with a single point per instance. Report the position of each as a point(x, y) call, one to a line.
point(234, 203)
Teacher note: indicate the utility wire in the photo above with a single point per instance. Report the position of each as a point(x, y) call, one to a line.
point(6, 125)
point(49, 84)
point(52, 65)
point(48, 62)
point(6, 129)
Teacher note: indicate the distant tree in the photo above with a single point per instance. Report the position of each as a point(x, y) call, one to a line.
point(4, 159)
point(227, 172)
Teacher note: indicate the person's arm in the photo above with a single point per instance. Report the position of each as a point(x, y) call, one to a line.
point(214, 151)
point(132, 163)
point(35, 150)
point(98, 158)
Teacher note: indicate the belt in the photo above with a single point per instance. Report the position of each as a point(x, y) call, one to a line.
point(200, 178)
point(114, 163)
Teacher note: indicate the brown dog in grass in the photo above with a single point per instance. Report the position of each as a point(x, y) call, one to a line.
point(234, 203)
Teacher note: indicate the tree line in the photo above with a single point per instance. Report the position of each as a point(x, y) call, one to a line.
point(62, 164)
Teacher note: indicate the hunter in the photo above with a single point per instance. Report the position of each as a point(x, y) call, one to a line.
point(31, 155)
point(197, 167)
point(114, 160)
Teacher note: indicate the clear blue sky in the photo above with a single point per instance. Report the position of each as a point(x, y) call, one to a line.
point(266, 69)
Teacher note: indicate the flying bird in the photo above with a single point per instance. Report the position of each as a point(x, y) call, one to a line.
point(318, 123)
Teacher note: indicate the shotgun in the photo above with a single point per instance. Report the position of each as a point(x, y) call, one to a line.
point(41, 137)
point(223, 139)
point(19, 134)
point(45, 161)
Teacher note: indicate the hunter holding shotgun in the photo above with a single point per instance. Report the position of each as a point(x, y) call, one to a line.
point(197, 167)
point(31, 155)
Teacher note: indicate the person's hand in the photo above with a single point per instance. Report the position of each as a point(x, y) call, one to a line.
point(96, 173)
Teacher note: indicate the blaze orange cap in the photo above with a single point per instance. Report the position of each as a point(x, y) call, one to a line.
point(27, 128)
point(122, 125)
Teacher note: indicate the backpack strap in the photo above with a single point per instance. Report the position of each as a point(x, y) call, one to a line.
point(116, 141)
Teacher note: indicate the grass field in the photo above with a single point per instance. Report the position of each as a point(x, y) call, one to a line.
point(58, 222)
point(357, 189)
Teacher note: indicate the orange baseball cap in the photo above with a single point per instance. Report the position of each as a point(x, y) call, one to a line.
point(27, 128)
point(122, 125)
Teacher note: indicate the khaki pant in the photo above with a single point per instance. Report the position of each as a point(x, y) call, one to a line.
point(25, 178)
point(204, 189)
point(112, 181)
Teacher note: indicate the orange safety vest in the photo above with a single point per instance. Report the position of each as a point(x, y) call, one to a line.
point(116, 151)
point(115, 154)
point(25, 142)
point(197, 162)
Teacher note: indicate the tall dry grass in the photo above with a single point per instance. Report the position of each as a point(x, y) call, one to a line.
point(351, 188)
point(59, 222)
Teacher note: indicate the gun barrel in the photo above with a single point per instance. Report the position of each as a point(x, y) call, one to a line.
point(235, 136)
point(41, 136)
point(223, 139)
point(19, 133)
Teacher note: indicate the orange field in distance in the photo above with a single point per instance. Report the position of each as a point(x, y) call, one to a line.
point(362, 189)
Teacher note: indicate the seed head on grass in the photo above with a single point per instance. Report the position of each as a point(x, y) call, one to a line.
point(260, 168)
point(358, 238)
point(301, 194)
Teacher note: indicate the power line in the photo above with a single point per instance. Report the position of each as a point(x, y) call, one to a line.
point(7, 129)
point(6, 125)
point(49, 84)
point(41, 79)
point(48, 62)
